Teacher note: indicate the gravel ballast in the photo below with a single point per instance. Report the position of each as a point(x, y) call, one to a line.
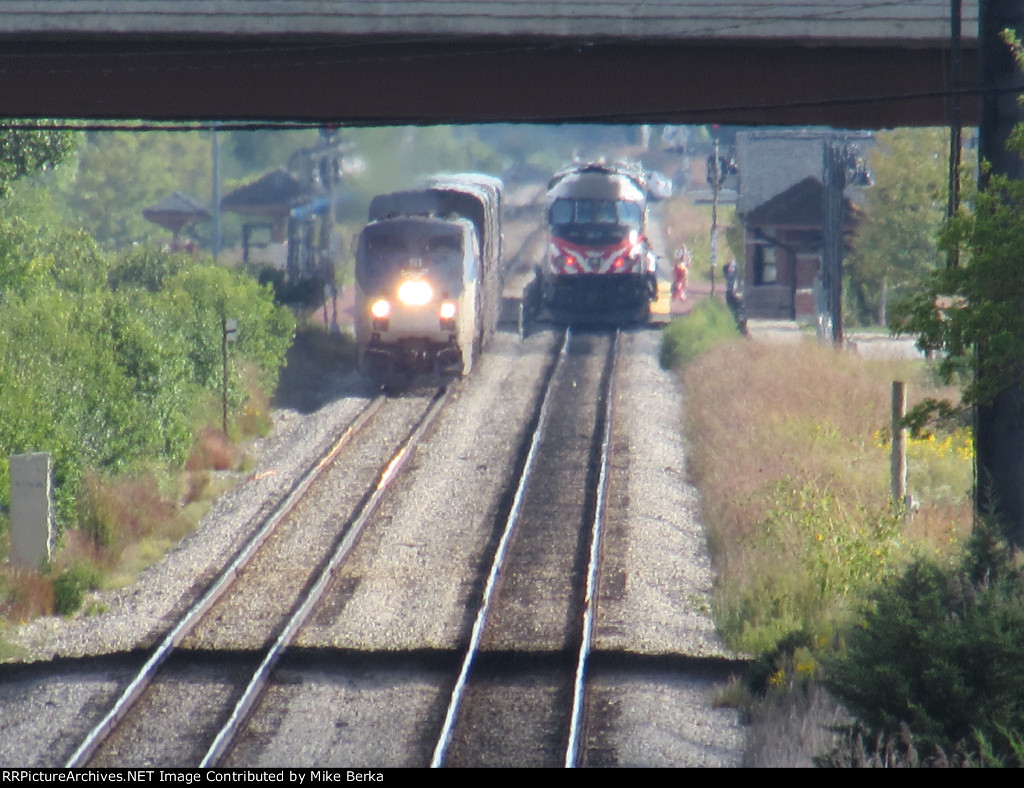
point(656, 602)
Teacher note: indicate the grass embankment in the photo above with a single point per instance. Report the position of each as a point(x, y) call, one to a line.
point(789, 447)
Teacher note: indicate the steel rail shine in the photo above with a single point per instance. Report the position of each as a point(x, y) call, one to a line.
point(187, 623)
point(444, 740)
point(252, 692)
point(590, 598)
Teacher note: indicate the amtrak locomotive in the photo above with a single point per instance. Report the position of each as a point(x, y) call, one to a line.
point(428, 279)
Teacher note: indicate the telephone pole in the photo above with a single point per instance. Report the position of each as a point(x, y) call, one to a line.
point(715, 176)
point(835, 156)
point(999, 425)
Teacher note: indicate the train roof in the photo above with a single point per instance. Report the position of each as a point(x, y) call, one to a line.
point(599, 182)
point(472, 179)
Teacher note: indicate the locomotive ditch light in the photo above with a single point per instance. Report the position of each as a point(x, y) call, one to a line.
point(447, 315)
point(415, 292)
point(381, 309)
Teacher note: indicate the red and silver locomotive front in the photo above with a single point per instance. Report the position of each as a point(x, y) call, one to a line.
point(598, 259)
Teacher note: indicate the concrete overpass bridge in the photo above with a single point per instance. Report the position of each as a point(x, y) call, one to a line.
point(846, 63)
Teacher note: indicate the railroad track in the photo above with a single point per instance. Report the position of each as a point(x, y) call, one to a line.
point(134, 729)
point(392, 668)
point(520, 696)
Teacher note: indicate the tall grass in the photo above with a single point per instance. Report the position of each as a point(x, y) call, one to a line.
point(785, 448)
point(687, 338)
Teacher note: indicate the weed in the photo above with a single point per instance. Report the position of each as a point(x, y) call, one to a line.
point(786, 446)
point(686, 338)
point(212, 451)
point(70, 587)
point(27, 595)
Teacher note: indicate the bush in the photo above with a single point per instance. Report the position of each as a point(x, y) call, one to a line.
point(111, 380)
point(941, 652)
point(146, 267)
point(685, 338)
point(808, 561)
point(70, 587)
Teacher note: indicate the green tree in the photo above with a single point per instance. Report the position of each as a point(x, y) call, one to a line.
point(25, 151)
point(119, 173)
point(397, 156)
point(972, 316)
point(200, 298)
point(897, 245)
point(247, 152)
point(34, 257)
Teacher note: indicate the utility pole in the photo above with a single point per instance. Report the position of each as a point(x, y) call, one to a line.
point(715, 178)
point(999, 425)
point(834, 167)
point(215, 197)
point(955, 143)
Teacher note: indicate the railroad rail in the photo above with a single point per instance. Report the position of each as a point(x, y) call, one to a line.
point(581, 599)
point(188, 623)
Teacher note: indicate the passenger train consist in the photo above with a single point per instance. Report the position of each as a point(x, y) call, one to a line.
point(598, 266)
point(428, 279)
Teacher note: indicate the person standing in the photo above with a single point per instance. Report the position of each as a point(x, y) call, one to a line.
point(680, 272)
point(732, 296)
point(729, 271)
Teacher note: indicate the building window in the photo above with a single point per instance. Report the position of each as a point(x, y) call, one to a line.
point(766, 271)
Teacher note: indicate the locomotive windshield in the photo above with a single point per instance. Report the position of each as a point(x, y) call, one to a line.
point(594, 221)
point(395, 248)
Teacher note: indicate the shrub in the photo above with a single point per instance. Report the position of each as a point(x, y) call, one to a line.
point(26, 595)
point(116, 513)
point(807, 561)
point(146, 267)
point(70, 587)
point(685, 338)
point(941, 651)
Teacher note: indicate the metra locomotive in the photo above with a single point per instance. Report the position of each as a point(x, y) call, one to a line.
point(428, 279)
point(599, 265)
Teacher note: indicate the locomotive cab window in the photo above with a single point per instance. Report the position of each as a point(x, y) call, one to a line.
point(583, 211)
point(561, 212)
point(443, 244)
point(630, 213)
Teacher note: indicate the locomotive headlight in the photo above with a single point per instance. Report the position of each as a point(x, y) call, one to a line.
point(415, 292)
point(447, 314)
point(381, 308)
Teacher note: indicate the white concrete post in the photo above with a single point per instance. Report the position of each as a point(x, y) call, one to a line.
point(31, 509)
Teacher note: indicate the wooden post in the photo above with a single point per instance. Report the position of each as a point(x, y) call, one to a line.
point(898, 460)
point(224, 378)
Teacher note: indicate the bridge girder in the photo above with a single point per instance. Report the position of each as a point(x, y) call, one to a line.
point(484, 80)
